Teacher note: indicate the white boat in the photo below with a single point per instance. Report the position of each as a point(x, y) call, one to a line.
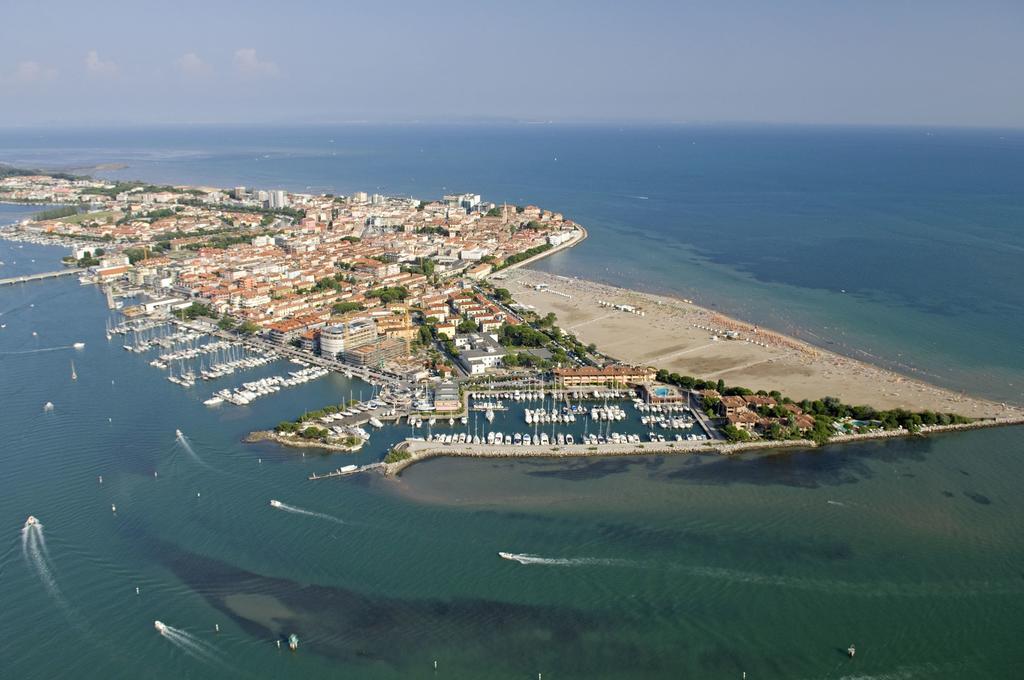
point(348, 469)
point(214, 400)
point(275, 504)
point(160, 627)
point(521, 559)
point(31, 521)
point(376, 423)
point(177, 433)
point(79, 345)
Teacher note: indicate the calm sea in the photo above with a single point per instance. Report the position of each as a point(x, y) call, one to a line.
point(646, 568)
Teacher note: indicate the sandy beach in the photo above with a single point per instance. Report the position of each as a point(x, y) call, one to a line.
point(682, 337)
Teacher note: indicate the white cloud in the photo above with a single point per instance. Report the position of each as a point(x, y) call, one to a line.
point(98, 67)
point(33, 72)
point(190, 64)
point(248, 64)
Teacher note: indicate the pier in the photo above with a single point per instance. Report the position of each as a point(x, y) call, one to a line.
point(40, 277)
point(341, 472)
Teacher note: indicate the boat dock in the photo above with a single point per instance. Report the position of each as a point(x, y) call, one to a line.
point(41, 276)
point(344, 472)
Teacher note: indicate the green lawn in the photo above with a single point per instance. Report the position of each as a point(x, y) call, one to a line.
point(100, 215)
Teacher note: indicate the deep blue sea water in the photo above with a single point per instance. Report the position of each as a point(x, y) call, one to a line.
point(656, 567)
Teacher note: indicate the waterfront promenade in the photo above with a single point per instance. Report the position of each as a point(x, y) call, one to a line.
point(256, 343)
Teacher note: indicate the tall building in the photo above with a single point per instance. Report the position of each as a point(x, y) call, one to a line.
point(278, 199)
point(239, 193)
point(332, 341)
point(335, 340)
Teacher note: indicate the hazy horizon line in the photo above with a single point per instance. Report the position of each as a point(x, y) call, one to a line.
point(497, 121)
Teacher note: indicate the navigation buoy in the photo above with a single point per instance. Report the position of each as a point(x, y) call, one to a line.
point(113, 508)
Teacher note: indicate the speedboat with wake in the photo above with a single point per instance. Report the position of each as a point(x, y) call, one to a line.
point(275, 504)
point(31, 521)
point(161, 627)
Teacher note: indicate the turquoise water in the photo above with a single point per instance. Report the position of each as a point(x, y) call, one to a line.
point(643, 568)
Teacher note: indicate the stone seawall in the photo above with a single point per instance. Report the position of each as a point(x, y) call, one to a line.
point(420, 451)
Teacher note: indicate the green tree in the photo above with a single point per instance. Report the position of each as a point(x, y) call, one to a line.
point(346, 307)
point(735, 434)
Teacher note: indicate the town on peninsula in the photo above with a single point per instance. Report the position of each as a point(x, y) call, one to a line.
point(427, 302)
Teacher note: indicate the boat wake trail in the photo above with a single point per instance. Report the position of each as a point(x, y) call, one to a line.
point(190, 644)
point(309, 513)
point(33, 548)
point(183, 440)
point(36, 351)
point(525, 558)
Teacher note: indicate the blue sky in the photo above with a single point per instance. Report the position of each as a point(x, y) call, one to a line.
point(892, 62)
